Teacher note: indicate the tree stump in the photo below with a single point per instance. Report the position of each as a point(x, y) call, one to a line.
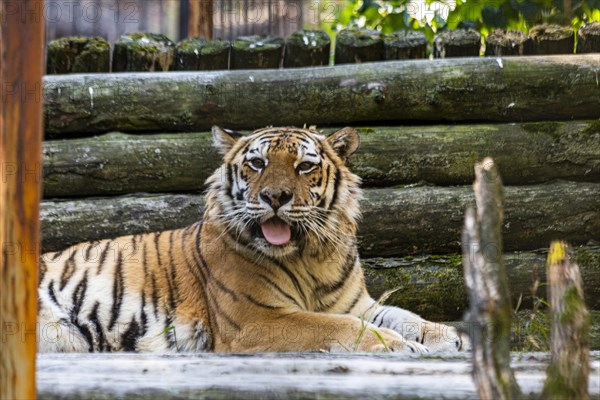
point(567, 375)
point(507, 43)
point(404, 45)
point(353, 46)
point(143, 52)
point(552, 39)
point(490, 312)
point(458, 43)
point(199, 54)
point(256, 52)
point(588, 38)
point(78, 54)
point(307, 48)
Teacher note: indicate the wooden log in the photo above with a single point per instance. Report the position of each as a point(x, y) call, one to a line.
point(490, 312)
point(552, 39)
point(514, 89)
point(417, 220)
point(567, 375)
point(272, 376)
point(588, 38)
point(200, 18)
point(353, 46)
point(307, 48)
point(143, 52)
point(433, 285)
point(78, 54)
point(507, 43)
point(457, 43)
point(256, 52)
point(199, 54)
point(21, 69)
point(404, 45)
point(117, 163)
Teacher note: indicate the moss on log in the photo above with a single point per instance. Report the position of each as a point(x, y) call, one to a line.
point(358, 46)
point(307, 48)
point(552, 39)
point(199, 54)
point(458, 43)
point(513, 89)
point(588, 38)
point(78, 54)
point(143, 52)
point(507, 43)
point(117, 163)
point(256, 52)
point(417, 220)
point(404, 45)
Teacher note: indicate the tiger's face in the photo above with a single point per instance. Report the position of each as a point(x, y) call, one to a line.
point(282, 190)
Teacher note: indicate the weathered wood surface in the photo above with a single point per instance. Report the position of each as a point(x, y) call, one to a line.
point(568, 372)
point(508, 43)
point(465, 89)
point(490, 310)
point(199, 54)
point(307, 48)
point(457, 43)
point(118, 163)
point(358, 46)
point(588, 38)
point(404, 45)
point(256, 52)
point(416, 220)
point(78, 54)
point(21, 69)
point(275, 376)
point(143, 52)
point(552, 39)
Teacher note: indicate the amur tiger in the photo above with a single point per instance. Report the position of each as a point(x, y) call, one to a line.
point(272, 266)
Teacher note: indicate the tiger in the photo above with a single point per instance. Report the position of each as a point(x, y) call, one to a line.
point(272, 266)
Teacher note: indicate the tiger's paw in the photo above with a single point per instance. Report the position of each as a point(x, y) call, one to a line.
point(444, 338)
point(388, 340)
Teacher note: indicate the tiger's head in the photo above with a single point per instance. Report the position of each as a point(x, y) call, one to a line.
point(282, 191)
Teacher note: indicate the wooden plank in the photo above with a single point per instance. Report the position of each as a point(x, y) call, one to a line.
point(200, 18)
point(118, 163)
point(276, 376)
point(21, 69)
point(414, 220)
point(461, 89)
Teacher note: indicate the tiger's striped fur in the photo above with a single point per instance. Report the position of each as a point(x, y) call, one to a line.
point(222, 284)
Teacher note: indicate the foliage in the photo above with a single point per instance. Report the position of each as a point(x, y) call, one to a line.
point(431, 16)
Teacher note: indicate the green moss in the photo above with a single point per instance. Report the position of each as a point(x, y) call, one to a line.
point(257, 43)
point(593, 128)
point(551, 129)
point(359, 37)
point(308, 38)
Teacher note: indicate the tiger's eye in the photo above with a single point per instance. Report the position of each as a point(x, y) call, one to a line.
point(305, 166)
point(257, 163)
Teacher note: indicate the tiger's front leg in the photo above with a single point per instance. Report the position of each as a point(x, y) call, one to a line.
point(435, 336)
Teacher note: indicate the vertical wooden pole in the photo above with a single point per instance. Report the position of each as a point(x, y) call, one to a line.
point(567, 376)
point(490, 311)
point(21, 68)
point(201, 18)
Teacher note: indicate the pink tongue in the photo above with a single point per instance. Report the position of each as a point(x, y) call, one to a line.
point(276, 231)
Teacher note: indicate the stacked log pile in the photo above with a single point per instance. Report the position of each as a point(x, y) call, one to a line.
point(129, 153)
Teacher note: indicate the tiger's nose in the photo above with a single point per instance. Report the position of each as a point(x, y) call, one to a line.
point(275, 197)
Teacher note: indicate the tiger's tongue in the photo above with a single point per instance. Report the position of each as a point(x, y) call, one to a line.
point(276, 231)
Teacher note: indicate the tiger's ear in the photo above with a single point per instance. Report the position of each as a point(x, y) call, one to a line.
point(224, 139)
point(345, 142)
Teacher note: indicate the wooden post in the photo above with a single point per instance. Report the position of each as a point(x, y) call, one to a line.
point(200, 21)
point(567, 376)
point(78, 54)
point(404, 45)
point(588, 38)
point(490, 311)
point(552, 39)
point(458, 43)
point(507, 43)
point(21, 69)
point(354, 46)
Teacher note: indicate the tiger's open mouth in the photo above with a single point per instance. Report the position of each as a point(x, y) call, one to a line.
point(275, 231)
